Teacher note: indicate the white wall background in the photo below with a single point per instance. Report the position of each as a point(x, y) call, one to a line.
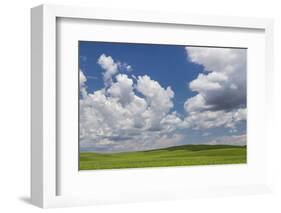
point(15, 98)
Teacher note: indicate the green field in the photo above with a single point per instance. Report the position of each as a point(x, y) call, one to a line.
point(185, 155)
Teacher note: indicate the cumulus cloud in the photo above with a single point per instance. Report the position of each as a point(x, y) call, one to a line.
point(82, 80)
point(109, 66)
point(122, 89)
point(238, 140)
point(158, 99)
point(127, 114)
point(211, 119)
point(124, 66)
point(221, 88)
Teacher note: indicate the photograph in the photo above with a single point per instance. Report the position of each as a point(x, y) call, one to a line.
point(146, 105)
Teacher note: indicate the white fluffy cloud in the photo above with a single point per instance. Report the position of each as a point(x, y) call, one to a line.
point(128, 114)
point(221, 89)
point(124, 66)
point(122, 89)
point(82, 80)
point(158, 99)
point(109, 66)
point(238, 140)
point(211, 119)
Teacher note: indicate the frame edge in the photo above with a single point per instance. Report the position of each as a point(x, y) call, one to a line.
point(37, 106)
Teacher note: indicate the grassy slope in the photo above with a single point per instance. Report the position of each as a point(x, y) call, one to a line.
point(172, 156)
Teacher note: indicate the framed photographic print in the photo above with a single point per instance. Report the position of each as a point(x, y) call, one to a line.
point(137, 106)
point(163, 105)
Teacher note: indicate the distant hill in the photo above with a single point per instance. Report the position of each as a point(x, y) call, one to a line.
point(196, 147)
point(184, 155)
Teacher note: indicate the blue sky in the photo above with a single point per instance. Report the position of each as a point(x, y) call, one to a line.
point(178, 67)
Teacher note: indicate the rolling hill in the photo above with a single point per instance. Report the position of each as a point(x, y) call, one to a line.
point(185, 155)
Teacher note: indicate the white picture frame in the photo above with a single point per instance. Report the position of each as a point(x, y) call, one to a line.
point(47, 165)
